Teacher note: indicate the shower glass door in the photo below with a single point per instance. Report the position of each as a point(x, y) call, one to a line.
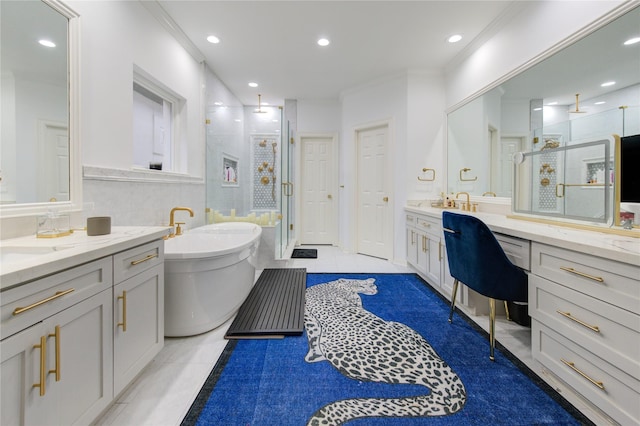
point(286, 237)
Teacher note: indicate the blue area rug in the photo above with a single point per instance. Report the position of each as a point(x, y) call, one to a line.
point(269, 382)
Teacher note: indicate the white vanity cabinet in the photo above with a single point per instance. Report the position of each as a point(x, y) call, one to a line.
point(426, 252)
point(76, 330)
point(56, 347)
point(138, 320)
point(586, 326)
point(425, 249)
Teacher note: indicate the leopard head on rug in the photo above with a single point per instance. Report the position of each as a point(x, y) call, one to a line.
point(364, 347)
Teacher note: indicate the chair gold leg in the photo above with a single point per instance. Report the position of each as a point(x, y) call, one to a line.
point(492, 327)
point(453, 299)
point(506, 309)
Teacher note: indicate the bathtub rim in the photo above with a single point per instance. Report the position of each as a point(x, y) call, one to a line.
point(244, 240)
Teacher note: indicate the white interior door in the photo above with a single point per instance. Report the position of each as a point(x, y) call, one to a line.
point(318, 201)
point(53, 163)
point(504, 180)
point(373, 209)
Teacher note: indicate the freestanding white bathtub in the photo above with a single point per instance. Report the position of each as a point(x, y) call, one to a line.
point(209, 272)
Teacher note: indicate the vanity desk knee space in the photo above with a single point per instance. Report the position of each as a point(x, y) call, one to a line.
point(584, 303)
point(81, 316)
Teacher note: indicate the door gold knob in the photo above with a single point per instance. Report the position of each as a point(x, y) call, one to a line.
point(385, 199)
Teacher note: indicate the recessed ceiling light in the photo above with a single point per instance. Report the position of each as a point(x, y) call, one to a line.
point(252, 84)
point(454, 38)
point(608, 83)
point(600, 103)
point(213, 39)
point(633, 40)
point(47, 43)
point(323, 42)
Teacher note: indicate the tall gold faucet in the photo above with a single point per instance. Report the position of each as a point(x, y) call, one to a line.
point(465, 206)
point(172, 223)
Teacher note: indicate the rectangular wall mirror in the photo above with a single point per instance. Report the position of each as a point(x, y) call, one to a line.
point(555, 103)
point(39, 164)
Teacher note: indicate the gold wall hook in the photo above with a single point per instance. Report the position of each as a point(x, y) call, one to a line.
point(463, 179)
point(433, 175)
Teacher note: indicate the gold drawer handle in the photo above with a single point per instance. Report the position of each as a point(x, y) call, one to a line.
point(439, 250)
point(582, 274)
point(124, 311)
point(58, 294)
point(571, 365)
point(582, 323)
point(56, 371)
point(43, 357)
point(139, 261)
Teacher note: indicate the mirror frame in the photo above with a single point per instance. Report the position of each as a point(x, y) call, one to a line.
point(558, 47)
point(75, 165)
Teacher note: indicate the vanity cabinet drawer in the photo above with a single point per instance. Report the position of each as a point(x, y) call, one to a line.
point(429, 224)
point(600, 328)
point(411, 220)
point(613, 282)
point(32, 302)
point(517, 250)
point(129, 263)
point(604, 385)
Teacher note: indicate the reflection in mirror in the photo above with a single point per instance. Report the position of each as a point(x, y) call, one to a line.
point(574, 181)
point(35, 104)
point(538, 106)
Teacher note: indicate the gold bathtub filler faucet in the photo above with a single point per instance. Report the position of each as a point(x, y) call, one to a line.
point(465, 206)
point(172, 223)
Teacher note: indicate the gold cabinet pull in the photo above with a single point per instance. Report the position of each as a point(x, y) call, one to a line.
point(440, 251)
point(582, 274)
point(582, 323)
point(561, 193)
point(413, 241)
point(58, 294)
point(385, 199)
point(124, 311)
point(56, 335)
point(43, 357)
point(571, 365)
point(139, 261)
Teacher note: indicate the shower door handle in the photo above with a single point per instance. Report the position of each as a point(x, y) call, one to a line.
point(287, 189)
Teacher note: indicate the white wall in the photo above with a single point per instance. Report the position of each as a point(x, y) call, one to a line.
point(413, 103)
point(319, 116)
point(115, 36)
point(425, 135)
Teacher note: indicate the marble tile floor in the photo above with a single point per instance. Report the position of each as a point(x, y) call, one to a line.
point(165, 390)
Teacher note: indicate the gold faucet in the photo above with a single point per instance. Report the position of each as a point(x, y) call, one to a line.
point(172, 222)
point(465, 206)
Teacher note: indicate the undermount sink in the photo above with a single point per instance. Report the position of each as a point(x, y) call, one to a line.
point(17, 253)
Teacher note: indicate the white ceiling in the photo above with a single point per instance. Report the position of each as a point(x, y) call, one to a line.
point(274, 42)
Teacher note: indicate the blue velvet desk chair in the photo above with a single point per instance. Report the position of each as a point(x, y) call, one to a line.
point(477, 260)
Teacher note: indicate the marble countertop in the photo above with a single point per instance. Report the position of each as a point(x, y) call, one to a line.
point(610, 246)
point(27, 258)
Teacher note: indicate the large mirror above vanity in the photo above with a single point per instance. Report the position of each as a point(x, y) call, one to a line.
point(39, 143)
point(561, 101)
